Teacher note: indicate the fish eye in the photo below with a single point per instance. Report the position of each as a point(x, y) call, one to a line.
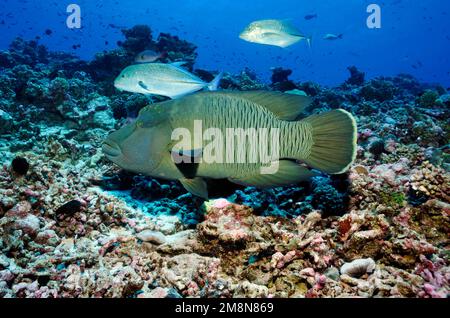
point(123, 76)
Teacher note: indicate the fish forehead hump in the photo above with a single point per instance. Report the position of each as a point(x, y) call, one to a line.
point(155, 114)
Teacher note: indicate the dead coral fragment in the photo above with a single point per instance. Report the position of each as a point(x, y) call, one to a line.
point(227, 222)
point(358, 267)
point(152, 236)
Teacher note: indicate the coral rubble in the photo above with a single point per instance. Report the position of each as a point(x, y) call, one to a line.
point(73, 225)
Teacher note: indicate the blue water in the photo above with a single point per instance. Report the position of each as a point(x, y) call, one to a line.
point(414, 37)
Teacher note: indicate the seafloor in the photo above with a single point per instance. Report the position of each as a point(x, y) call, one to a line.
point(73, 225)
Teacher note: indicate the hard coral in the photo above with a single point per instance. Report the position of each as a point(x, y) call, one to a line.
point(138, 38)
point(378, 89)
point(177, 49)
point(356, 76)
point(428, 99)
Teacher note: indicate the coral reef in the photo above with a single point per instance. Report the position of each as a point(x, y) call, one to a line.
point(73, 225)
point(356, 76)
point(280, 80)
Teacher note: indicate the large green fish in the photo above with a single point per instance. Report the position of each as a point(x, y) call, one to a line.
point(326, 142)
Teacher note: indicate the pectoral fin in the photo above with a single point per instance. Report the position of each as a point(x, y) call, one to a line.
point(288, 173)
point(187, 161)
point(143, 86)
point(196, 186)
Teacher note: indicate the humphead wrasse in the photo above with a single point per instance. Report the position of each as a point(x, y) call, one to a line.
point(151, 145)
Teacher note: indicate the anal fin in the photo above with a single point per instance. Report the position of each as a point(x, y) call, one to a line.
point(196, 186)
point(288, 173)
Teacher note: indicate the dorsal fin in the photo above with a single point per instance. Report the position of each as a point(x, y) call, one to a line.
point(284, 106)
point(288, 27)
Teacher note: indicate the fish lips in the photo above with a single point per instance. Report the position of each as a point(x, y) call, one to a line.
point(119, 84)
point(118, 87)
point(243, 36)
point(111, 149)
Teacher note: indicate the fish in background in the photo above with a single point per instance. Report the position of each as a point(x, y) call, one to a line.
point(111, 25)
point(311, 16)
point(326, 141)
point(281, 33)
point(332, 37)
point(168, 80)
point(148, 56)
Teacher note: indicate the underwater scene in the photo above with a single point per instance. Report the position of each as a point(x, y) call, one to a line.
point(224, 149)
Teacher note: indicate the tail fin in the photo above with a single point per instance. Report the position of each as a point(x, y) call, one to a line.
point(334, 141)
point(341, 36)
point(214, 85)
point(309, 41)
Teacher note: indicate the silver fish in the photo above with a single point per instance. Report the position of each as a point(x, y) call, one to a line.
point(330, 36)
point(162, 79)
point(279, 33)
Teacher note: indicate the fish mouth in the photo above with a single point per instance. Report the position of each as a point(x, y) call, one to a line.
point(111, 149)
point(118, 86)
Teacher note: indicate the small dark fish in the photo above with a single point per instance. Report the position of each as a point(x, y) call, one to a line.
point(69, 208)
point(148, 56)
point(48, 32)
point(116, 26)
point(310, 16)
point(332, 37)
